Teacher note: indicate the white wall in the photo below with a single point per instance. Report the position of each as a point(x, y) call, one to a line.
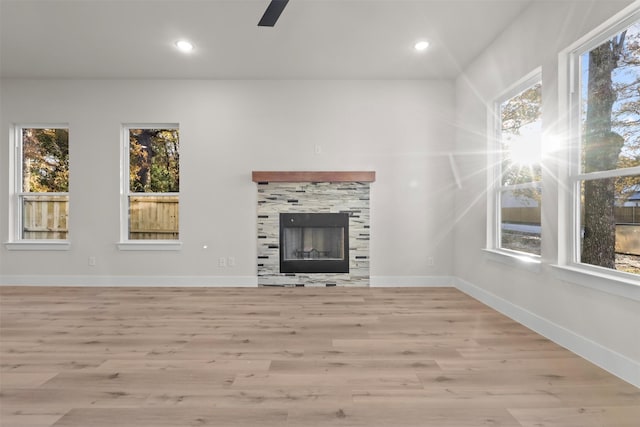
point(401, 130)
point(586, 316)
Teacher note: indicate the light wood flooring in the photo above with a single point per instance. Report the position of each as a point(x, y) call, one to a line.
point(157, 357)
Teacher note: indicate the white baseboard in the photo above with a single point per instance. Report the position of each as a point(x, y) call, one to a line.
point(411, 281)
point(203, 281)
point(144, 281)
point(615, 363)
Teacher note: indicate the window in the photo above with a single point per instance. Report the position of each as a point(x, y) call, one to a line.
point(41, 184)
point(151, 183)
point(515, 170)
point(605, 177)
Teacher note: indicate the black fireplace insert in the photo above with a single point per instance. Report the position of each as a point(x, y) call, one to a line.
point(314, 242)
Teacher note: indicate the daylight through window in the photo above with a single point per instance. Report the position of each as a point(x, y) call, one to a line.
point(43, 184)
point(153, 183)
point(607, 184)
point(519, 192)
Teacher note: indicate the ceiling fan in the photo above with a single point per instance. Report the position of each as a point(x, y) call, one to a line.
point(272, 13)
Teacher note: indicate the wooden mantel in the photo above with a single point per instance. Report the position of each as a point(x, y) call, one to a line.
point(313, 176)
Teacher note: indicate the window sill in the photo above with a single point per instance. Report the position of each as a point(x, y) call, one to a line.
point(150, 245)
point(601, 281)
point(515, 259)
point(38, 245)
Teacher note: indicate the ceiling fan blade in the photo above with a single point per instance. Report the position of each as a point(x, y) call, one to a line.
point(272, 13)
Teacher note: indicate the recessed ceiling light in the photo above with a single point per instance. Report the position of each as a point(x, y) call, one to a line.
point(184, 46)
point(421, 45)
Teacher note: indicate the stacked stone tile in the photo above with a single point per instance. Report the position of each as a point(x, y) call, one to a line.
point(312, 197)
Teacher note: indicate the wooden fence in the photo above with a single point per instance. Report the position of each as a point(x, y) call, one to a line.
point(628, 239)
point(521, 215)
point(153, 218)
point(150, 218)
point(627, 215)
point(45, 217)
point(627, 230)
point(531, 215)
point(627, 225)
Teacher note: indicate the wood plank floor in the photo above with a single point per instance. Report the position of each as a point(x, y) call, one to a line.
point(154, 357)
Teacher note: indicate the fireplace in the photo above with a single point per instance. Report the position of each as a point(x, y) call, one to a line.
point(314, 242)
point(313, 248)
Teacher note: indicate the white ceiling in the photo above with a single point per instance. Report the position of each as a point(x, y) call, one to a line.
point(314, 39)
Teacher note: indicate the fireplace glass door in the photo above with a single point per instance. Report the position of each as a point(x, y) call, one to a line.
point(314, 243)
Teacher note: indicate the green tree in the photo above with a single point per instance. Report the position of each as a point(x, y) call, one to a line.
point(154, 161)
point(45, 155)
point(522, 109)
point(601, 152)
point(626, 113)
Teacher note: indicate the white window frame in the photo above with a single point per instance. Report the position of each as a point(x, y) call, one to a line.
point(16, 193)
point(125, 244)
point(568, 267)
point(495, 187)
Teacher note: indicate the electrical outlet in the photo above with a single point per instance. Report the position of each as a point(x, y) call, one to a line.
point(317, 149)
point(231, 261)
point(430, 261)
point(92, 261)
point(222, 262)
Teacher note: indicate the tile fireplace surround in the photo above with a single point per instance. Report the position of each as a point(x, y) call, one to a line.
point(312, 192)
